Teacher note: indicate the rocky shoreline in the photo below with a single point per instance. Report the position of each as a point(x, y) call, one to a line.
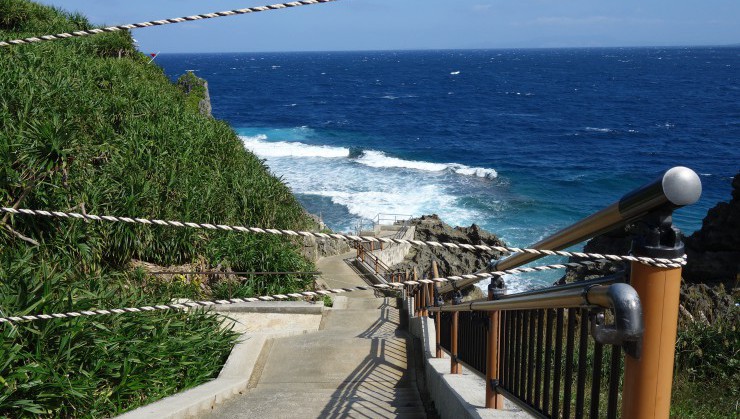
point(431, 227)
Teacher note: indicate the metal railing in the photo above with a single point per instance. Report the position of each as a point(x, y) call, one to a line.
point(391, 219)
point(677, 187)
point(558, 351)
point(545, 357)
point(373, 264)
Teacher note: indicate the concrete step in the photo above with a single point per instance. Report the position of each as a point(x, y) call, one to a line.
point(374, 390)
point(330, 403)
point(400, 400)
point(328, 358)
point(371, 303)
point(363, 323)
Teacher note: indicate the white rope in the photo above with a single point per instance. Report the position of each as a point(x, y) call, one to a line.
point(391, 286)
point(658, 262)
point(152, 23)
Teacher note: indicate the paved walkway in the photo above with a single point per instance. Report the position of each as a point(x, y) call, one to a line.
point(358, 365)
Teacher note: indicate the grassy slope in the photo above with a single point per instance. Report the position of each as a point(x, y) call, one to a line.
point(86, 121)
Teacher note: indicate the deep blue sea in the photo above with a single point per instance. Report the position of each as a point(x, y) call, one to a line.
point(521, 142)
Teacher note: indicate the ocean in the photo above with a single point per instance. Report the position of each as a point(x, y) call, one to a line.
point(519, 142)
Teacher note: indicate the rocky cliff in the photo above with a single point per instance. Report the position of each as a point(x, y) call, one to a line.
point(714, 251)
point(196, 89)
point(431, 227)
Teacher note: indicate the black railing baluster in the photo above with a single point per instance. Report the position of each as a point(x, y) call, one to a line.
point(614, 376)
point(544, 363)
point(517, 350)
point(582, 350)
point(569, 344)
point(445, 326)
point(530, 356)
point(538, 360)
point(596, 380)
point(558, 364)
point(510, 347)
point(548, 362)
point(523, 360)
point(503, 347)
point(482, 338)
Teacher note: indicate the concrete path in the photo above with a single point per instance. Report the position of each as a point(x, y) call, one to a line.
point(336, 273)
point(359, 365)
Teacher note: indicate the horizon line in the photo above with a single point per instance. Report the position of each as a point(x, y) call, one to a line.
point(733, 45)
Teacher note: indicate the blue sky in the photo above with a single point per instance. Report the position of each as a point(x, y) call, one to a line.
point(423, 24)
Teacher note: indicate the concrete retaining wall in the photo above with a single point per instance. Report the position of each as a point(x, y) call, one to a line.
point(395, 253)
point(455, 395)
point(259, 321)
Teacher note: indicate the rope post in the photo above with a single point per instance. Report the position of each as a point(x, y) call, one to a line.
point(454, 364)
point(648, 375)
point(494, 400)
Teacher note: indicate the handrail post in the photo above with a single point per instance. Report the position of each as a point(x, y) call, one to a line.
point(494, 400)
point(648, 378)
point(438, 302)
point(416, 295)
point(423, 290)
point(454, 364)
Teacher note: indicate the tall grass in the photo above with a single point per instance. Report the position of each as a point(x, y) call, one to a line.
point(87, 125)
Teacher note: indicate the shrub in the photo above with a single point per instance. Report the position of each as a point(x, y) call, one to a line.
point(87, 125)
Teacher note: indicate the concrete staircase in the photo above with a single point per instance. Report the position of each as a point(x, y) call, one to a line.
point(358, 365)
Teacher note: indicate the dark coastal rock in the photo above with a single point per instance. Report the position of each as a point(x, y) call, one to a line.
point(432, 228)
point(714, 251)
point(615, 242)
point(706, 304)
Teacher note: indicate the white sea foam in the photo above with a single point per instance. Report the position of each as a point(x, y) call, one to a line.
point(259, 145)
point(381, 160)
point(262, 148)
point(592, 129)
point(392, 199)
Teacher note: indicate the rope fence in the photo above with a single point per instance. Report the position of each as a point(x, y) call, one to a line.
point(657, 262)
point(393, 286)
point(87, 32)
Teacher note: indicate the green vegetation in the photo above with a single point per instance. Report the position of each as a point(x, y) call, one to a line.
point(708, 370)
point(87, 125)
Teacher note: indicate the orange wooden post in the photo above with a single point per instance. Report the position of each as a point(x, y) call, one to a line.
point(648, 366)
point(454, 365)
point(648, 380)
point(423, 290)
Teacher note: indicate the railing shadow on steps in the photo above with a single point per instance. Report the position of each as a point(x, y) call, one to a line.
point(598, 348)
point(383, 385)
